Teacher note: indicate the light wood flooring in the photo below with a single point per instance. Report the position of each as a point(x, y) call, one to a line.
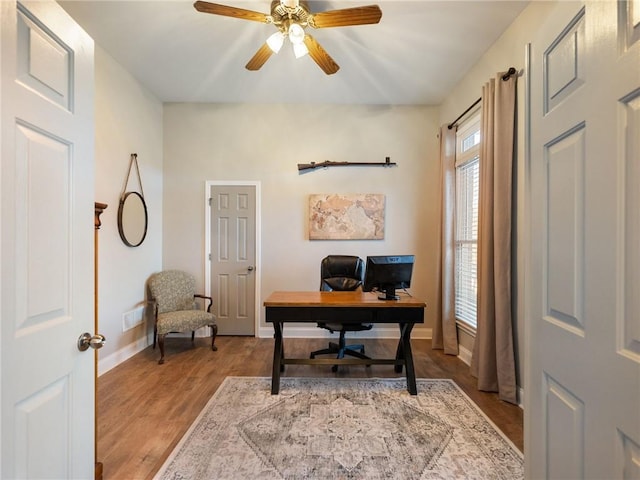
point(145, 408)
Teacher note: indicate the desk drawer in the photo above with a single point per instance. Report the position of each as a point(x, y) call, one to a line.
point(345, 314)
point(342, 315)
point(399, 315)
point(324, 314)
point(288, 314)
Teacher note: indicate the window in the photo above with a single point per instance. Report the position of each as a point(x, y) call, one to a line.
point(466, 230)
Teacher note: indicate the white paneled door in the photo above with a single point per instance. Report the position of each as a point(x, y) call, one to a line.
point(233, 257)
point(582, 411)
point(47, 186)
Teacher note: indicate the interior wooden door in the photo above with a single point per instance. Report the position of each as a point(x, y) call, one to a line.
point(233, 258)
point(47, 141)
point(582, 410)
point(97, 223)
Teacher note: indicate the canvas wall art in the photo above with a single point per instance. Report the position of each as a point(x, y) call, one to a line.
point(346, 216)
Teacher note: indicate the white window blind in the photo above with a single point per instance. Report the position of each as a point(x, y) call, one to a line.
point(466, 232)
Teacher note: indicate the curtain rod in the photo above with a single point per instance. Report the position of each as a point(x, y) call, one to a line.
point(505, 77)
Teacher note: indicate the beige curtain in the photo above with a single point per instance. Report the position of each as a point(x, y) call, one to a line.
point(445, 335)
point(493, 360)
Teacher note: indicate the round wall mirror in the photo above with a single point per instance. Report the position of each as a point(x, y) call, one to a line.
point(132, 219)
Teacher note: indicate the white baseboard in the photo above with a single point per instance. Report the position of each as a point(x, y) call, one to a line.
point(464, 354)
point(107, 363)
point(521, 397)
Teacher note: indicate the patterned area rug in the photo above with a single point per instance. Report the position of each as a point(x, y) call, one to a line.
point(324, 428)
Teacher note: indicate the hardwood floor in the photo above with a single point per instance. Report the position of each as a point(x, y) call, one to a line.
point(144, 408)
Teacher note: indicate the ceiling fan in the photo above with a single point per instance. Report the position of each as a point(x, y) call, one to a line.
point(291, 17)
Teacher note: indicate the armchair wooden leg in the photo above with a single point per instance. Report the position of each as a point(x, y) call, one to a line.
point(214, 332)
point(155, 335)
point(161, 345)
point(193, 336)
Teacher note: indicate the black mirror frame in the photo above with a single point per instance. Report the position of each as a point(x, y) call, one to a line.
point(121, 231)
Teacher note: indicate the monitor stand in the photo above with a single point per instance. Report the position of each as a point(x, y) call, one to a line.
point(388, 293)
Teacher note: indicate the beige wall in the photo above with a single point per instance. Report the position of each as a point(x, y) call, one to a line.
point(264, 143)
point(508, 51)
point(128, 120)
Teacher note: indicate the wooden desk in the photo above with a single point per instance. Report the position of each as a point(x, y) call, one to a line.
point(343, 307)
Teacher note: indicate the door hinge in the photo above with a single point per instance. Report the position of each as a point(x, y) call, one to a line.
point(210, 201)
point(209, 257)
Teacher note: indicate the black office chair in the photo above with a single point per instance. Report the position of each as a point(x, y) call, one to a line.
point(342, 272)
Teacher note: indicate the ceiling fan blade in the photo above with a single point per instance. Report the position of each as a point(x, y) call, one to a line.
point(320, 56)
point(346, 17)
point(216, 9)
point(259, 59)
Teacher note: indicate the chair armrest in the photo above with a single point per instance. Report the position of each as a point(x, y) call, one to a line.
point(153, 304)
point(206, 298)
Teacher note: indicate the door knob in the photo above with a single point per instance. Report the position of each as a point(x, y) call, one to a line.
point(250, 268)
point(87, 340)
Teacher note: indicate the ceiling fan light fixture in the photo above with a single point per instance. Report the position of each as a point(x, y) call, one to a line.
point(275, 41)
point(296, 34)
point(291, 18)
point(300, 50)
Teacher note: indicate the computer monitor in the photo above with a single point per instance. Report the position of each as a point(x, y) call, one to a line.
point(385, 273)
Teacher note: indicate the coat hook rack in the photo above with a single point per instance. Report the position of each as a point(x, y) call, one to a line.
point(303, 167)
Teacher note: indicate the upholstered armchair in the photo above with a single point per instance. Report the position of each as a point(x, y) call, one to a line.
point(176, 309)
point(342, 273)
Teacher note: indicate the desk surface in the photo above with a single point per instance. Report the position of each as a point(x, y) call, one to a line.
point(338, 299)
point(344, 308)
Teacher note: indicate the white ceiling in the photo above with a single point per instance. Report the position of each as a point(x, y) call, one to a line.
point(417, 53)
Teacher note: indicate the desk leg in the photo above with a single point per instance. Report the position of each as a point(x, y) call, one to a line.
point(405, 339)
point(399, 350)
point(278, 355)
